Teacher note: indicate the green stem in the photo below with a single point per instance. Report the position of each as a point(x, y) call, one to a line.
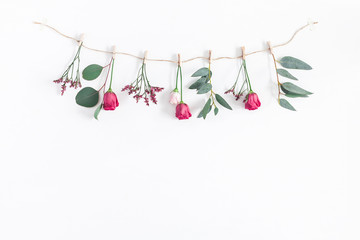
point(112, 70)
point(247, 75)
point(181, 85)
point(177, 75)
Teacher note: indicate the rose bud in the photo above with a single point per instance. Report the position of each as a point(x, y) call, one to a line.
point(252, 101)
point(182, 111)
point(110, 101)
point(174, 97)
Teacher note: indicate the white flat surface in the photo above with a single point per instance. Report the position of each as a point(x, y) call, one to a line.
point(139, 173)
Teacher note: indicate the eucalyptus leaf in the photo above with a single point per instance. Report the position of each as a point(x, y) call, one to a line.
point(206, 108)
point(204, 88)
point(292, 88)
point(91, 72)
point(285, 73)
point(285, 104)
point(207, 78)
point(222, 101)
point(197, 85)
point(201, 112)
point(97, 111)
point(292, 95)
point(87, 97)
point(201, 72)
point(216, 110)
point(294, 63)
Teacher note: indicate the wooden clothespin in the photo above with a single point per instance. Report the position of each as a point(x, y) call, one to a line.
point(145, 56)
point(114, 52)
point(82, 37)
point(179, 60)
point(210, 58)
point(270, 47)
point(243, 53)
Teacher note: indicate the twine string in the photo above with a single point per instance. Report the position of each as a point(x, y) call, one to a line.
point(79, 41)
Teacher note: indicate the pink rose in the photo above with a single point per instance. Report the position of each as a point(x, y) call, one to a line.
point(252, 101)
point(182, 111)
point(174, 97)
point(110, 101)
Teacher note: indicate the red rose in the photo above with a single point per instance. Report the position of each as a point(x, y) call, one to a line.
point(110, 101)
point(182, 111)
point(252, 101)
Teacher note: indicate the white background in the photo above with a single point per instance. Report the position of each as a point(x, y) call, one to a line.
point(138, 172)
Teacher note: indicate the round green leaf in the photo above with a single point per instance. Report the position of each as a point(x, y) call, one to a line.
point(91, 72)
point(87, 97)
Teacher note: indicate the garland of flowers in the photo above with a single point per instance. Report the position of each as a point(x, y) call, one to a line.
point(142, 89)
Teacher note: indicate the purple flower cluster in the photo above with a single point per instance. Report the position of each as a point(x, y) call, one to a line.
point(141, 93)
point(236, 95)
point(63, 82)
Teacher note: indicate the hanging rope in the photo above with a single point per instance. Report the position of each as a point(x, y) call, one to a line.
point(174, 61)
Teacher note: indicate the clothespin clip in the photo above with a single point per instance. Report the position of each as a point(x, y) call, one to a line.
point(114, 52)
point(311, 24)
point(42, 23)
point(210, 57)
point(270, 47)
point(243, 53)
point(179, 60)
point(145, 56)
point(82, 37)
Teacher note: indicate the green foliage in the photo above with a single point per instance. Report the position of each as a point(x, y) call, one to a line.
point(198, 84)
point(292, 88)
point(222, 101)
point(285, 104)
point(91, 72)
point(87, 97)
point(294, 63)
point(202, 72)
point(285, 73)
point(97, 111)
point(206, 109)
point(204, 88)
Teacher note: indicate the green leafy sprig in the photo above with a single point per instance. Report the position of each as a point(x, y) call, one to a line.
point(88, 96)
point(288, 89)
point(203, 85)
point(68, 76)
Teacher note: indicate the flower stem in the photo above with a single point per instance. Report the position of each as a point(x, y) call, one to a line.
point(247, 75)
point(181, 84)
point(112, 70)
point(277, 76)
point(177, 75)
point(211, 91)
